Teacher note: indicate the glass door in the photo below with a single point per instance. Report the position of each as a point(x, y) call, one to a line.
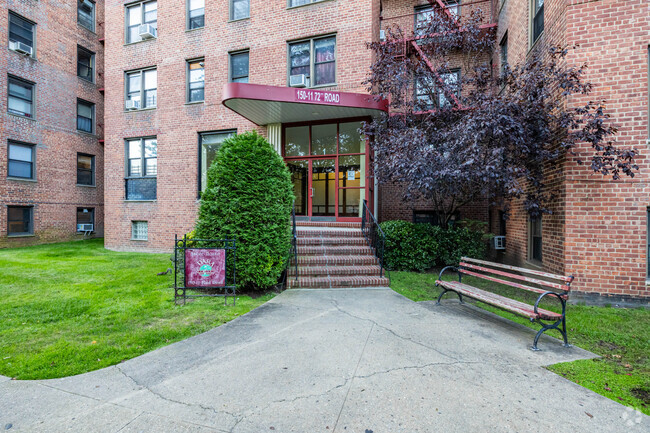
point(299, 169)
point(323, 187)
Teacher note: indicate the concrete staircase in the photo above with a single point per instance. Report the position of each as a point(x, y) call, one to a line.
point(334, 254)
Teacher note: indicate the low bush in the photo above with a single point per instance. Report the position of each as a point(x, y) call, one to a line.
point(248, 198)
point(417, 247)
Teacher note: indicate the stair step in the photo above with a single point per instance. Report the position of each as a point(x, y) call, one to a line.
point(330, 241)
point(338, 281)
point(327, 224)
point(315, 232)
point(338, 260)
point(354, 250)
point(316, 271)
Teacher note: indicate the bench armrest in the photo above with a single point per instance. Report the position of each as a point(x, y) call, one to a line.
point(560, 296)
point(454, 268)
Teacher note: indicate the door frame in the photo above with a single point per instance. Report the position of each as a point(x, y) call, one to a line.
point(369, 186)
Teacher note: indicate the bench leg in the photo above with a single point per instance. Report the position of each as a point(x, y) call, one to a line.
point(445, 291)
point(546, 327)
point(563, 331)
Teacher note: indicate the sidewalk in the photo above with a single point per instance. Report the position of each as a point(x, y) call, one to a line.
point(364, 360)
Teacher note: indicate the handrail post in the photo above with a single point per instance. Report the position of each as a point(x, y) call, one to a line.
point(374, 235)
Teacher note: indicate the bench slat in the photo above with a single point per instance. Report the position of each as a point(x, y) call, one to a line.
point(500, 281)
point(500, 301)
point(516, 277)
point(523, 270)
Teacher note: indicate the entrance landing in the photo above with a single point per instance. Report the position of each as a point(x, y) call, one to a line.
point(334, 254)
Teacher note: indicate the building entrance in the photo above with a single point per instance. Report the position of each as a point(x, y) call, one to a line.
point(328, 165)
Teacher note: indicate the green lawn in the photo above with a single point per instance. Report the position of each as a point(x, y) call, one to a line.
point(620, 336)
point(74, 307)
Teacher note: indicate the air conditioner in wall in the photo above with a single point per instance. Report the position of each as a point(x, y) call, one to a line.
point(499, 242)
point(147, 31)
point(300, 80)
point(19, 47)
point(132, 104)
point(85, 227)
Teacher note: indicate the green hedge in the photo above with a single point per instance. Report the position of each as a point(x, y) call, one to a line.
point(248, 198)
point(417, 247)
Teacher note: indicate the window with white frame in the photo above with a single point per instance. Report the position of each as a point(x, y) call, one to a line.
point(294, 3)
point(209, 144)
point(141, 89)
point(141, 168)
point(315, 58)
point(537, 17)
point(195, 14)
point(425, 91)
point(195, 80)
point(20, 97)
point(239, 9)
point(22, 32)
point(239, 67)
point(139, 230)
point(86, 14)
point(21, 160)
point(452, 84)
point(140, 14)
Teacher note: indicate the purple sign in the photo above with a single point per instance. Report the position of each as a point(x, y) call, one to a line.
point(205, 267)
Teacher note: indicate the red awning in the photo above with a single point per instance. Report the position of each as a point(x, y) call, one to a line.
point(272, 104)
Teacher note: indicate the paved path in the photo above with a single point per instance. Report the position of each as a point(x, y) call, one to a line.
point(367, 361)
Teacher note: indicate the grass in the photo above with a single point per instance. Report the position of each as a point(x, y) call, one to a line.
point(74, 307)
point(620, 336)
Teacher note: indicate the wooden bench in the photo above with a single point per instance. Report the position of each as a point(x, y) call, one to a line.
point(549, 285)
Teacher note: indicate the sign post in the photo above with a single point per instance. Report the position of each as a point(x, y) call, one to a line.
point(206, 267)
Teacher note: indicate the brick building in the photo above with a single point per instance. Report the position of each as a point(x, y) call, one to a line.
point(186, 74)
point(51, 111)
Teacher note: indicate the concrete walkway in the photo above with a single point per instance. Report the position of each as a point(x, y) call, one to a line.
point(365, 360)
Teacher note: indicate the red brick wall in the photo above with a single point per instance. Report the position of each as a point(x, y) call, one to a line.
point(54, 195)
point(176, 124)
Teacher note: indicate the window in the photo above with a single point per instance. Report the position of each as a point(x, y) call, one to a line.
point(21, 97)
point(195, 80)
point(141, 169)
point(294, 3)
point(141, 88)
point(425, 14)
point(535, 239)
point(85, 169)
point(20, 220)
point(538, 18)
point(504, 52)
point(316, 58)
point(138, 14)
point(209, 144)
point(452, 81)
point(20, 160)
point(139, 230)
point(239, 67)
point(86, 14)
point(239, 9)
point(425, 93)
point(85, 219)
point(22, 31)
point(195, 14)
point(85, 64)
point(85, 116)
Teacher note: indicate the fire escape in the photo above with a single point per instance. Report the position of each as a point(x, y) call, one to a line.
point(413, 28)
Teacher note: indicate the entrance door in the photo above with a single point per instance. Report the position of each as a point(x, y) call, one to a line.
point(323, 187)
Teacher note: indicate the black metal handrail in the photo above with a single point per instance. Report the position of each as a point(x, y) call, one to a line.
point(293, 251)
point(374, 235)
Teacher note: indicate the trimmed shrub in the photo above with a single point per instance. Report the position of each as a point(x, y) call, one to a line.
point(417, 247)
point(248, 198)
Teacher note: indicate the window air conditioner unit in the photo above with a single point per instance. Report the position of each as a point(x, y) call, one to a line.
point(19, 47)
point(499, 242)
point(300, 80)
point(85, 227)
point(132, 104)
point(147, 31)
point(382, 35)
